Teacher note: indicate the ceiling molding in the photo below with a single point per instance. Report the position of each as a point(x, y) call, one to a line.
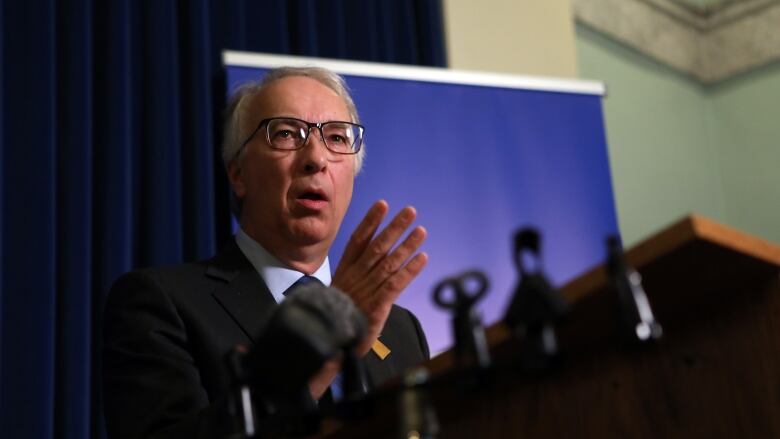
point(707, 8)
point(711, 43)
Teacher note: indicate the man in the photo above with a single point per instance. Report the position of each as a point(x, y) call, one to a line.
point(293, 145)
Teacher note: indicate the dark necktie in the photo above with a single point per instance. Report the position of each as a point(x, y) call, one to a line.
point(304, 280)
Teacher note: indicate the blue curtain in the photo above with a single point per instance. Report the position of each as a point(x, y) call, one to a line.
point(109, 126)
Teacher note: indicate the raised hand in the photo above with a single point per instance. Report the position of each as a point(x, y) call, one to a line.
point(374, 273)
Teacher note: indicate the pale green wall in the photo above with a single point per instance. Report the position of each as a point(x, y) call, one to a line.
point(677, 147)
point(662, 165)
point(746, 129)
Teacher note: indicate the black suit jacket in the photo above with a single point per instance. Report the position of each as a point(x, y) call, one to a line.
point(166, 332)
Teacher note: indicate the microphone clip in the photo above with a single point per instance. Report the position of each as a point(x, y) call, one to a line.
point(467, 289)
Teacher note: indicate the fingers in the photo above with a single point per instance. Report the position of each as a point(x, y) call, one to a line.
point(365, 231)
point(394, 260)
point(395, 284)
point(372, 262)
point(320, 382)
point(382, 244)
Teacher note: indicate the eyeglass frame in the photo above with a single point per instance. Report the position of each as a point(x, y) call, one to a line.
point(309, 125)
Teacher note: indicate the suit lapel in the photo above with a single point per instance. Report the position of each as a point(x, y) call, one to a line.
point(379, 370)
point(243, 293)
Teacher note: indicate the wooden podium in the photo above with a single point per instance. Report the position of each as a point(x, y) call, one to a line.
point(714, 373)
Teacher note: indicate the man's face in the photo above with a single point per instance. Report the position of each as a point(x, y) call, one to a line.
point(293, 199)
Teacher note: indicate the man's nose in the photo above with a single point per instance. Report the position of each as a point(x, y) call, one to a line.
point(314, 152)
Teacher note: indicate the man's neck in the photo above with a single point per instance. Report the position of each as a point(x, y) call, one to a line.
point(304, 258)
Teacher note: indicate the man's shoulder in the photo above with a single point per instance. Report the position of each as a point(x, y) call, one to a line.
point(165, 276)
point(174, 271)
point(176, 282)
point(155, 287)
point(402, 324)
point(398, 311)
point(219, 268)
point(402, 318)
point(204, 297)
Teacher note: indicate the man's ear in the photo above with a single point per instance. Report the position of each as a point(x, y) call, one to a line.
point(236, 178)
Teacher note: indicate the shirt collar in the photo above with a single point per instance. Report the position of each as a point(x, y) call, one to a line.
point(277, 276)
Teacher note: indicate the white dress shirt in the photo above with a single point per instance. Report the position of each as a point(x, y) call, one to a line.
point(277, 276)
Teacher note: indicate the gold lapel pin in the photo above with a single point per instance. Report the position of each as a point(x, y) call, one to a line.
point(380, 349)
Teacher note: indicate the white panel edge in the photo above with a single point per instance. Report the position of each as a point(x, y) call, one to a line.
point(425, 74)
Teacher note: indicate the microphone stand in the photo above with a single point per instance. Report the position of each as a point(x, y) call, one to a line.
point(637, 321)
point(355, 376)
point(418, 419)
point(355, 387)
point(241, 409)
point(535, 307)
point(254, 412)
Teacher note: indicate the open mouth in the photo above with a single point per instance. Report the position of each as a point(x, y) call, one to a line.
point(314, 196)
point(312, 199)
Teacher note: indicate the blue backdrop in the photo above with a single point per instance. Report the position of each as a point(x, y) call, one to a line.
point(479, 162)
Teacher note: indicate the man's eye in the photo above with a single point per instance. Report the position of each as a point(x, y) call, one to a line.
point(282, 134)
point(337, 138)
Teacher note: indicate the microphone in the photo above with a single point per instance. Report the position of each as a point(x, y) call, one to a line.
point(348, 328)
point(338, 308)
point(312, 325)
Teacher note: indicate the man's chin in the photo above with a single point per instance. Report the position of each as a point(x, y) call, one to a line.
point(311, 232)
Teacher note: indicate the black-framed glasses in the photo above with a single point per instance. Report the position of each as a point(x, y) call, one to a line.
point(288, 133)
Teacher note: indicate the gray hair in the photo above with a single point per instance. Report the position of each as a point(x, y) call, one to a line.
point(236, 118)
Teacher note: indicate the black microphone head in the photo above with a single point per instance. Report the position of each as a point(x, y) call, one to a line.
point(312, 325)
point(337, 311)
